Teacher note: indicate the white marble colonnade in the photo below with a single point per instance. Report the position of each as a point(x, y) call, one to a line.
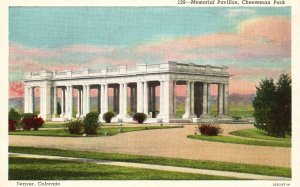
point(145, 86)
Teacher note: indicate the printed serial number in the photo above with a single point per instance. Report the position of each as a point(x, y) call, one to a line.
point(281, 184)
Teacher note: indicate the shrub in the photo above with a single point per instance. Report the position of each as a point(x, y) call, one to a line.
point(139, 117)
point(30, 121)
point(75, 126)
point(91, 123)
point(12, 125)
point(209, 129)
point(14, 115)
point(236, 118)
point(108, 116)
point(28, 115)
point(14, 118)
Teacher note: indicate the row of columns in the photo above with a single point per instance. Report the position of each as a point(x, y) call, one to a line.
point(144, 92)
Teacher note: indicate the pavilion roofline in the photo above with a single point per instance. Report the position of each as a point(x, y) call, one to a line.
point(168, 67)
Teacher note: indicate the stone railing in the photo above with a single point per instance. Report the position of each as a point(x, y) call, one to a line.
point(124, 70)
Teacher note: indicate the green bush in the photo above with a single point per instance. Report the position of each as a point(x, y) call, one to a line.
point(236, 118)
point(13, 119)
point(28, 115)
point(14, 115)
point(139, 117)
point(91, 123)
point(108, 116)
point(75, 126)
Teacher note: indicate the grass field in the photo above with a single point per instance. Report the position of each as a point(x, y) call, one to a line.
point(61, 125)
point(53, 125)
point(200, 164)
point(237, 140)
point(257, 134)
point(43, 169)
point(108, 131)
point(245, 111)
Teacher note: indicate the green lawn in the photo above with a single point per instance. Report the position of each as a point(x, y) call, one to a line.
point(53, 125)
point(201, 164)
point(61, 125)
point(257, 134)
point(245, 111)
point(110, 131)
point(237, 140)
point(43, 169)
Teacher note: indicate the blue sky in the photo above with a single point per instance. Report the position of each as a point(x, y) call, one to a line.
point(254, 42)
point(56, 27)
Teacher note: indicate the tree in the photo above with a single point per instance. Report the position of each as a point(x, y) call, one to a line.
point(283, 104)
point(58, 108)
point(272, 106)
point(91, 123)
point(263, 103)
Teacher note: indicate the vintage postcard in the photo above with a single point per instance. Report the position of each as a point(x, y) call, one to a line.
point(193, 93)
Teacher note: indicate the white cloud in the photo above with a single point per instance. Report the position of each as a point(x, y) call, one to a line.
point(240, 12)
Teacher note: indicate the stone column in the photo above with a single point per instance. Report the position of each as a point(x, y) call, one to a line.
point(135, 99)
point(192, 111)
point(99, 100)
point(29, 99)
point(175, 95)
point(67, 111)
point(41, 101)
point(204, 102)
point(131, 99)
point(208, 99)
point(161, 100)
point(121, 99)
point(70, 102)
point(153, 102)
point(26, 99)
point(226, 92)
point(115, 99)
point(83, 100)
point(78, 102)
point(187, 113)
point(32, 105)
point(105, 98)
point(88, 101)
point(198, 94)
point(62, 102)
point(220, 99)
point(140, 97)
point(102, 89)
point(67, 102)
point(168, 101)
point(125, 101)
point(54, 101)
point(45, 101)
point(150, 88)
point(145, 99)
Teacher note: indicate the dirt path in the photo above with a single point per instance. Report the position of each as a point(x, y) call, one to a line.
point(167, 143)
